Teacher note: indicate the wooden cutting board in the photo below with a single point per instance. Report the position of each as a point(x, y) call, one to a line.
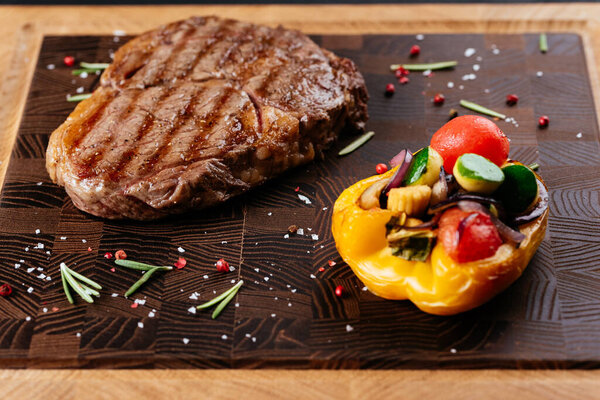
point(287, 314)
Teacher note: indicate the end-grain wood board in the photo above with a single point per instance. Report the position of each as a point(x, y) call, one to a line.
point(287, 314)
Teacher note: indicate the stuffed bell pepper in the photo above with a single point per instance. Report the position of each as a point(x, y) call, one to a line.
point(449, 226)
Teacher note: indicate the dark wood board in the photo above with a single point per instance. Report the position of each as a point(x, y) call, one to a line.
point(549, 318)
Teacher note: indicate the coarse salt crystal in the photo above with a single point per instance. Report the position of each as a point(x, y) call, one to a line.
point(269, 214)
point(118, 32)
point(539, 74)
point(266, 278)
point(453, 351)
point(476, 67)
point(78, 334)
point(286, 236)
point(37, 231)
point(192, 310)
point(496, 51)
point(185, 340)
point(50, 66)
point(17, 265)
point(41, 276)
point(115, 295)
point(30, 270)
point(194, 296)
point(312, 276)
point(273, 315)
point(420, 37)
point(450, 85)
point(253, 339)
point(289, 304)
point(224, 337)
point(469, 52)
point(30, 290)
point(151, 314)
point(140, 325)
point(63, 238)
point(314, 236)
point(237, 304)
point(579, 135)
point(205, 276)
point(28, 318)
point(181, 249)
point(83, 75)
point(349, 328)
point(44, 310)
point(305, 199)
point(300, 231)
point(79, 89)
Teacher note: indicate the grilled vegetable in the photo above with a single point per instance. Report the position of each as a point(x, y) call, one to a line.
point(425, 167)
point(519, 190)
point(475, 173)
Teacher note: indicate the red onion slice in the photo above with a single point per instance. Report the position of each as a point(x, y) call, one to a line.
point(506, 232)
point(399, 158)
point(538, 210)
point(453, 201)
point(439, 192)
point(396, 181)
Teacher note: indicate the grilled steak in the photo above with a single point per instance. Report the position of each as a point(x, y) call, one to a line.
point(198, 111)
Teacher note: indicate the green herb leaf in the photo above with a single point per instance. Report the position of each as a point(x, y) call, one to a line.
point(75, 285)
point(534, 166)
point(80, 71)
point(356, 144)
point(226, 301)
point(543, 43)
point(84, 279)
point(139, 265)
point(425, 67)
point(480, 109)
point(79, 97)
point(95, 66)
point(220, 297)
point(141, 281)
point(66, 286)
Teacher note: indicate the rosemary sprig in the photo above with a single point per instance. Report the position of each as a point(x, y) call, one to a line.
point(79, 97)
point(66, 273)
point(66, 286)
point(226, 301)
point(424, 67)
point(480, 109)
point(140, 265)
point(356, 144)
point(221, 296)
point(140, 282)
point(88, 65)
point(543, 43)
point(84, 279)
point(534, 166)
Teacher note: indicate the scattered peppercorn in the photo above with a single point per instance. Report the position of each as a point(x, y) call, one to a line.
point(543, 121)
point(108, 255)
point(381, 168)
point(120, 255)
point(181, 262)
point(292, 229)
point(452, 114)
point(89, 249)
point(5, 290)
point(69, 61)
point(222, 265)
point(403, 81)
point(339, 291)
point(400, 72)
point(438, 99)
point(331, 263)
point(321, 269)
point(512, 99)
point(297, 189)
point(389, 89)
point(415, 50)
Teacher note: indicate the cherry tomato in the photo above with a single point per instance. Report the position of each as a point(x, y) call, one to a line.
point(468, 236)
point(470, 134)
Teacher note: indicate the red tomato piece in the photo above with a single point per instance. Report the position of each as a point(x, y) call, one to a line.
point(468, 236)
point(470, 134)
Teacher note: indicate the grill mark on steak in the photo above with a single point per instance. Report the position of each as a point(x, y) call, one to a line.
point(127, 156)
point(176, 50)
point(209, 121)
point(257, 110)
point(87, 124)
point(88, 166)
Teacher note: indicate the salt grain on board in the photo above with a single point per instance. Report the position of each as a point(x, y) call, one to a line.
point(192, 310)
point(469, 52)
point(349, 328)
point(140, 325)
point(305, 199)
point(420, 37)
point(579, 135)
point(185, 340)
point(181, 250)
point(50, 66)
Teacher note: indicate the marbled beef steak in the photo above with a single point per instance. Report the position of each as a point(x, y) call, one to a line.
point(198, 111)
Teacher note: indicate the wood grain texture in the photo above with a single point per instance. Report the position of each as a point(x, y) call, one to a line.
point(23, 29)
point(288, 314)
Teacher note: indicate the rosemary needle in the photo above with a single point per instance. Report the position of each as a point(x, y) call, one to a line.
point(89, 290)
point(84, 279)
point(66, 286)
point(87, 65)
point(226, 301)
point(75, 285)
point(139, 265)
point(220, 297)
point(356, 144)
point(481, 109)
point(424, 67)
point(141, 281)
point(79, 97)
point(543, 43)
point(534, 166)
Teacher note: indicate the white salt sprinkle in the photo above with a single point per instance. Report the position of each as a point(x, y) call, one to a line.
point(30, 270)
point(79, 89)
point(579, 135)
point(140, 325)
point(205, 276)
point(37, 231)
point(312, 276)
point(181, 249)
point(83, 241)
point(420, 37)
point(151, 314)
point(118, 32)
point(63, 238)
point(78, 334)
point(450, 85)
point(286, 236)
point(50, 66)
point(273, 315)
point(17, 265)
point(314, 236)
point(44, 310)
point(469, 52)
point(253, 339)
point(349, 328)
point(224, 337)
point(30, 290)
point(269, 214)
point(305, 199)
point(83, 75)
point(115, 295)
point(300, 231)
point(496, 51)
point(192, 310)
point(194, 296)
point(539, 74)
point(266, 278)
point(185, 340)
point(27, 318)
point(476, 67)
point(453, 351)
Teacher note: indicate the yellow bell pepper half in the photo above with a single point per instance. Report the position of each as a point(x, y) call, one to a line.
point(439, 285)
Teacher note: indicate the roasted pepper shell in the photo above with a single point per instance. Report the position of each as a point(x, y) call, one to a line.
point(439, 285)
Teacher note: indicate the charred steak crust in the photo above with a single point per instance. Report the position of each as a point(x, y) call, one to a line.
point(197, 111)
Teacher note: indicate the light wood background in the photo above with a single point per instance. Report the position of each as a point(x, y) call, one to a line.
point(21, 32)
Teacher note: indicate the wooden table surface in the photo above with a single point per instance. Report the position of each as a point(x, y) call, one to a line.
point(22, 29)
